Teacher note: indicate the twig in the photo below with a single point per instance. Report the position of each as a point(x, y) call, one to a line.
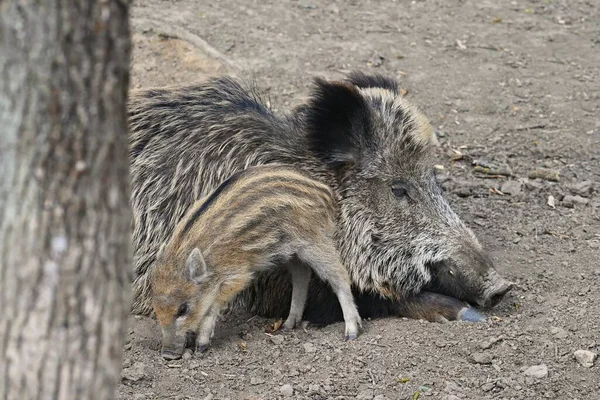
point(527, 128)
point(372, 377)
point(377, 344)
point(183, 34)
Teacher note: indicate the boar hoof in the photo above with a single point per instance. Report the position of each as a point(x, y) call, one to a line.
point(469, 314)
point(351, 336)
point(170, 355)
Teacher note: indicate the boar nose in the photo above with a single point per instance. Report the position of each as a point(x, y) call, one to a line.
point(496, 294)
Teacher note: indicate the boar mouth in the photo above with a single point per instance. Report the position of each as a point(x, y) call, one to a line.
point(484, 294)
point(495, 294)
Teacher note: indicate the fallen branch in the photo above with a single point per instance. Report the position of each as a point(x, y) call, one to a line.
point(176, 32)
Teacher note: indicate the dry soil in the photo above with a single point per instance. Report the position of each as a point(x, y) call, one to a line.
point(511, 85)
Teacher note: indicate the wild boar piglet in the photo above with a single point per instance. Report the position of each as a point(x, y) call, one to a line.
point(258, 219)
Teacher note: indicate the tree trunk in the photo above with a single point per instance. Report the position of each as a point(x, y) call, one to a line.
point(65, 220)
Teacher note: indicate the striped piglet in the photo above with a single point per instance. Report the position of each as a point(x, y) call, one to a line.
point(258, 219)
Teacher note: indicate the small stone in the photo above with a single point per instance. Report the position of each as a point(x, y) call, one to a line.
point(585, 357)
point(314, 388)
point(551, 201)
point(256, 381)
point(545, 174)
point(309, 347)
point(489, 343)
point(139, 396)
point(511, 187)
point(488, 386)
point(135, 373)
point(583, 188)
point(571, 201)
point(452, 397)
point(277, 339)
point(559, 333)
point(537, 371)
point(187, 354)
point(380, 397)
point(365, 395)
point(209, 396)
point(481, 358)
point(287, 390)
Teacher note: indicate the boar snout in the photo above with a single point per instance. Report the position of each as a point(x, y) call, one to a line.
point(495, 293)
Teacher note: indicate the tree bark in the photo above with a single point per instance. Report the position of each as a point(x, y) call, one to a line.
point(65, 223)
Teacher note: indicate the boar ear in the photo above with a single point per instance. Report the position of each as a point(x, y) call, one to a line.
point(338, 122)
point(196, 266)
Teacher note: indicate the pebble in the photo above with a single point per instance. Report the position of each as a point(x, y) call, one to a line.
point(545, 174)
point(314, 388)
point(452, 397)
point(380, 397)
point(277, 339)
point(583, 188)
point(489, 343)
point(559, 333)
point(365, 395)
point(135, 373)
point(287, 390)
point(551, 202)
point(585, 357)
point(256, 381)
point(513, 188)
point(309, 347)
point(187, 354)
point(537, 371)
point(481, 358)
point(570, 201)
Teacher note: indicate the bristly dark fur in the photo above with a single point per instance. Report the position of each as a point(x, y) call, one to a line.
point(338, 122)
point(186, 141)
point(364, 81)
point(213, 196)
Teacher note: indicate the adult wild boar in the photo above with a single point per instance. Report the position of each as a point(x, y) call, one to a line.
point(406, 251)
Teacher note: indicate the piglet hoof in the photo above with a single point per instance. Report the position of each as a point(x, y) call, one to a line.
point(201, 348)
point(470, 314)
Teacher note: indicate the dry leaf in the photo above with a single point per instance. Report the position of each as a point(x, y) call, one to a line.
point(274, 327)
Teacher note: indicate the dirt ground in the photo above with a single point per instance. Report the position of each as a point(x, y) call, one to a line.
point(514, 85)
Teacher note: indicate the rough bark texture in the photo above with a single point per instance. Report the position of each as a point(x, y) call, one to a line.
point(64, 198)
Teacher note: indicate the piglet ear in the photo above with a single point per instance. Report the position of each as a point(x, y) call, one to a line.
point(196, 266)
point(338, 123)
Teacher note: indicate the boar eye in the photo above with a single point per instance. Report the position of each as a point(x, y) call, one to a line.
point(399, 189)
point(451, 272)
point(183, 310)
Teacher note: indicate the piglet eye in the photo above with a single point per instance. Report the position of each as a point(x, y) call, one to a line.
point(451, 272)
point(183, 310)
point(399, 189)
